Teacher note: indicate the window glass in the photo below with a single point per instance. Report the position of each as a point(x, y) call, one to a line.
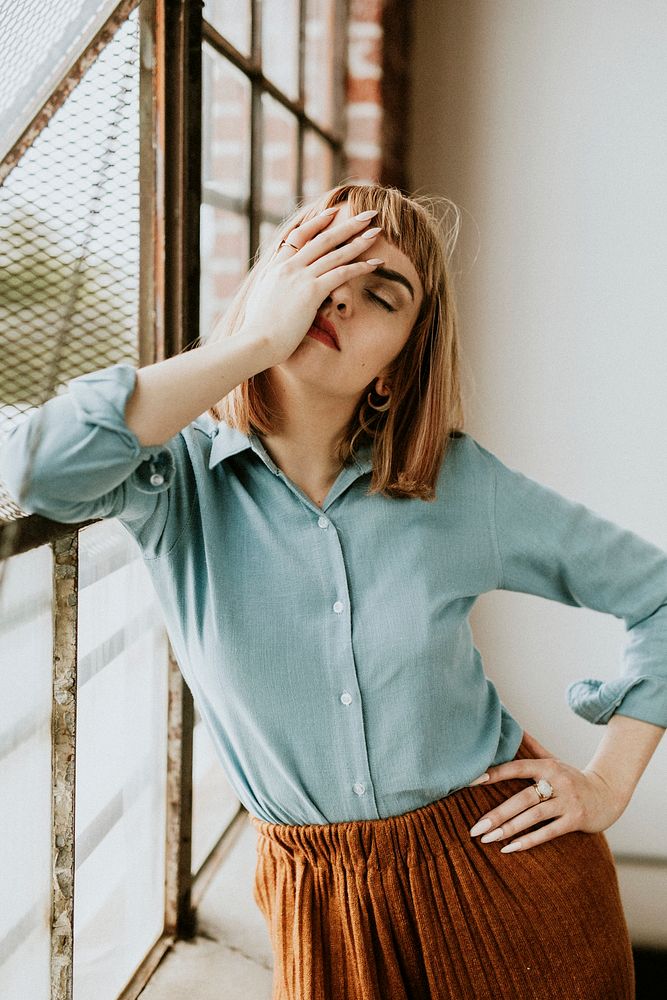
point(214, 801)
point(231, 18)
point(280, 44)
point(279, 151)
point(225, 129)
point(318, 163)
point(319, 60)
point(26, 663)
point(121, 753)
point(224, 261)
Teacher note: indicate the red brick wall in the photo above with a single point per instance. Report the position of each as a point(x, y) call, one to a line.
point(379, 40)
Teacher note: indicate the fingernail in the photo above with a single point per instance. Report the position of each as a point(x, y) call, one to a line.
point(370, 233)
point(489, 837)
point(478, 781)
point(375, 261)
point(330, 211)
point(511, 847)
point(481, 827)
point(367, 215)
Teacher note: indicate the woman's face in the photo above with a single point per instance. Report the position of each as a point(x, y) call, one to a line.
point(373, 315)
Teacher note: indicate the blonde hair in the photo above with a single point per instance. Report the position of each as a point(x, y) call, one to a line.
point(410, 438)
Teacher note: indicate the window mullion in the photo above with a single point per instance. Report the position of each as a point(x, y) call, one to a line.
point(342, 19)
point(256, 135)
point(302, 98)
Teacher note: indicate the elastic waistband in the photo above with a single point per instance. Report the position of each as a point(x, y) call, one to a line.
point(409, 838)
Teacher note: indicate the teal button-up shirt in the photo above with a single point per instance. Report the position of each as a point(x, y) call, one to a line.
point(328, 648)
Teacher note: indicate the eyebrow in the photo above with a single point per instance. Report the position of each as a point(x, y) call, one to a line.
point(384, 272)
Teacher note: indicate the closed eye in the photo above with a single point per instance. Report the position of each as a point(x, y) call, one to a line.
point(380, 301)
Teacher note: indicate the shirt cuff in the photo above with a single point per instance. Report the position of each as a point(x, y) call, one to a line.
point(100, 398)
point(643, 698)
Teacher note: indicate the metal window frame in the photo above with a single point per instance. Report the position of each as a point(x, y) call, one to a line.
point(170, 41)
point(251, 66)
point(172, 34)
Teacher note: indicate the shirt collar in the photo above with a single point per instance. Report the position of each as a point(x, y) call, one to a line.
point(228, 441)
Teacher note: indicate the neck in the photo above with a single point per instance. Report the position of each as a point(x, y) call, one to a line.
point(311, 426)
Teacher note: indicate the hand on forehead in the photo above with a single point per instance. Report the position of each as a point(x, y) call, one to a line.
point(393, 257)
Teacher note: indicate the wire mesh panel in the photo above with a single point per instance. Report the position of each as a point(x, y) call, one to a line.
point(38, 41)
point(69, 214)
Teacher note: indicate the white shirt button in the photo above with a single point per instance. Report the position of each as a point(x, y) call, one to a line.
point(157, 479)
point(358, 788)
point(338, 607)
point(323, 523)
point(346, 697)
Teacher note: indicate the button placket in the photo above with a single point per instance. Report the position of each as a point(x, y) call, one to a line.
point(334, 570)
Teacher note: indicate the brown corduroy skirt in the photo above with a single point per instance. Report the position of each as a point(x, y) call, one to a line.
point(413, 907)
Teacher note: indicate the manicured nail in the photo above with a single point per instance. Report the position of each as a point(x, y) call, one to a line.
point(489, 837)
point(481, 827)
point(511, 847)
point(478, 781)
point(370, 233)
point(367, 215)
point(374, 261)
point(330, 211)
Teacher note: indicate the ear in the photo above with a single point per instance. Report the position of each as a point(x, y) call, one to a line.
point(381, 387)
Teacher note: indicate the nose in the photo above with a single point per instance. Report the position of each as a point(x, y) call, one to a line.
point(340, 298)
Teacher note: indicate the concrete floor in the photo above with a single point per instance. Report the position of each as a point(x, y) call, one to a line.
point(230, 959)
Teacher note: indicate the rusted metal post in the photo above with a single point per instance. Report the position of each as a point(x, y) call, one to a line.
point(63, 760)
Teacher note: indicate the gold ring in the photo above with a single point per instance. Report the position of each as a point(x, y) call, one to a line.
point(544, 789)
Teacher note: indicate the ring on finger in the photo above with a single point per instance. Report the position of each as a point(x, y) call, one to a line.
point(287, 243)
point(544, 789)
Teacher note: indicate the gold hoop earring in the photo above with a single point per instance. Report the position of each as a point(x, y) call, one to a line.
point(383, 407)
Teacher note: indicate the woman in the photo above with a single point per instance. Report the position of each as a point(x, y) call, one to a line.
point(317, 539)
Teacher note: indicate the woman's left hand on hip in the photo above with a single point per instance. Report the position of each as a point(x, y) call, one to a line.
point(581, 800)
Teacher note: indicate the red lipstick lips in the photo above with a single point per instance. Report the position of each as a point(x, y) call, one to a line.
point(324, 326)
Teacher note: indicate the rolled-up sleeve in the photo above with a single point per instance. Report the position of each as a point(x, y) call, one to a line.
point(554, 547)
point(74, 458)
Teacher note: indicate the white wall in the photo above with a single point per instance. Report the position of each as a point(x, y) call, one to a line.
point(545, 121)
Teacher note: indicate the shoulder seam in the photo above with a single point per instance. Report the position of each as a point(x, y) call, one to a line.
point(494, 518)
